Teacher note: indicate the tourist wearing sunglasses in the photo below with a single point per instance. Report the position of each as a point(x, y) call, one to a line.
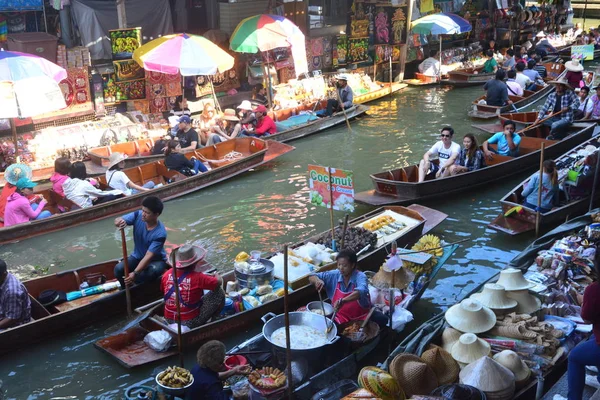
point(445, 150)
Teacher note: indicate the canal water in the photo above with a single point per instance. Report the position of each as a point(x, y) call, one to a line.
point(264, 209)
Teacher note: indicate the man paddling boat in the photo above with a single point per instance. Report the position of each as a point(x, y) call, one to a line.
point(148, 260)
point(15, 306)
point(344, 93)
point(563, 101)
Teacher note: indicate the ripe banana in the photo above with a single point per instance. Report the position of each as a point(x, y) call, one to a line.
point(424, 244)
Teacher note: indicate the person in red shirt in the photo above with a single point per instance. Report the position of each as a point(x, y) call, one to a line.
point(587, 353)
point(196, 307)
point(264, 125)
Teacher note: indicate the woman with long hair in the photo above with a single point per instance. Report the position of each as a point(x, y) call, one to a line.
point(470, 157)
point(82, 192)
point(176, 161)
point(259, 93)
point(210, 132)
point(549, 188)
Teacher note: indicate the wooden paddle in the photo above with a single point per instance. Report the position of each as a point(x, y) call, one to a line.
point(126, 272)
point(343, 109)
point(539, 195)
point(286, 311)
point(177, 305)
point(538, 124)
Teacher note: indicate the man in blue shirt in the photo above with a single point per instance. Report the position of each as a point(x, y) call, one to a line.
point(507, 141)
point(148, 260)
point(344, 91)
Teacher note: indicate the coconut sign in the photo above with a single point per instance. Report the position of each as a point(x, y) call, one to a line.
point(342, 189)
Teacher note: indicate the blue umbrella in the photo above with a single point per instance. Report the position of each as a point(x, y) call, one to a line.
point(440, 24)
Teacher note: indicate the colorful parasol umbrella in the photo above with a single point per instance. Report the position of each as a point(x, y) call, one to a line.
point(262, 32)
point(441, 24)
point(28, 87)
point(182, 53)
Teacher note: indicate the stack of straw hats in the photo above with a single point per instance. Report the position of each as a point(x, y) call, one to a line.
point(383, 278)
point(380, 383)
point(449, 337)
point(443, 365)
point(458, 392)
point(470, 316)
point(517, 366)
point(469, 348)
point(413, 375)
point(495, 380)
point(517, 288)
point(494, 297)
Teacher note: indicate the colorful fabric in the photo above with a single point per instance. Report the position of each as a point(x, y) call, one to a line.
point(358, 50)
point(14, 301)
point(21, 5)
point(568, 100)
point(317, 46)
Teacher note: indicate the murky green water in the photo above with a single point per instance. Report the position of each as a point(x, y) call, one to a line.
point(263, 209)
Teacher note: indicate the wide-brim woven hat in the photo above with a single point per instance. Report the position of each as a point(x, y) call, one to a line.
point(413, 374)
point(494, 297)
point(115, 158)
point(512, 278)
point(14, 172)
point(441, 362)
point(229, 115)
point(470, 348)
point(245, 105)
point(457, 391)
point(512, 361)
point(470, 316)
point(383, 278)
point(526, 303)
point(449, 337)
point(561, 81)
point(489, 376)
point(574, 66)
point(188, 255)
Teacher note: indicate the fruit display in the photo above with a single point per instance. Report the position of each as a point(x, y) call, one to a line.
point(427, 244)
point(175, 377)
point(356, 238)
point(383, 225)
point(267, 378)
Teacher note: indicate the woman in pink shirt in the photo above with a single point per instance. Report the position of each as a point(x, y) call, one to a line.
point(19, 209)
point(62, 167)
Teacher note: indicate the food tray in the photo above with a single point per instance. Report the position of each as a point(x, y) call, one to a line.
point(409, 222)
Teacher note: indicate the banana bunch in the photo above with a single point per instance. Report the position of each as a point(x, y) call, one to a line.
point(424, 244)
point(175, 377)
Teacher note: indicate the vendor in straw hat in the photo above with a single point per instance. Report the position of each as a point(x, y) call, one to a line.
point(574, 73)
point(344, 92)
point(196, 307)
point(563, 101)
point(227, 124)
point(348, 289)
point(210, 372)
point(118, 180)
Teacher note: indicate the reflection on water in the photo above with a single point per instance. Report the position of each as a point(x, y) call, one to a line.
point(263, 209)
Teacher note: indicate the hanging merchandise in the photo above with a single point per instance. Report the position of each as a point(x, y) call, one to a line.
point(383, 25)
point(358, 50)
point(426, 6)
point(398, 25)
point(341, 50)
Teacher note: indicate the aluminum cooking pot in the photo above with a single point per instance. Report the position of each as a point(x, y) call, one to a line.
point(316, 321)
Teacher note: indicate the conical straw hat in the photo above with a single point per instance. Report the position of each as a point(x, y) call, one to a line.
point(512, 361)
point(512, 279)
point(449, 337)
point(470, 316)
point(489, 376)
point(470, 348)
point(383, 278)
point(413, 374)
point(526, 303)
point(494, 296)
point(441, 362)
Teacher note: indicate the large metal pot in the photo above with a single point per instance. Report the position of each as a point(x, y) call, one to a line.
point(274, 322)
point(251, 279)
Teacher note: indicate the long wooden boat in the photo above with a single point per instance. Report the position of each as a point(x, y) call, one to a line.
point(464, 77)
point(523, 120)
point(423, 80)
point(379, 93)
point(53, 320)
point(254, 152)
point(400, 186)
point(138, 152)
point(128, 347)
point(525, 219)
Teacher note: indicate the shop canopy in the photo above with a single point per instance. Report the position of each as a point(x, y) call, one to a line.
point(185, 54)
point(440, 24)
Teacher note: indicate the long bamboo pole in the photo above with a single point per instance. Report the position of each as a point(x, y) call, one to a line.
point(595, 184)
point(539, 199)
point(333, 246)
point(126, 272)
point(177, 305)
point(288, 346)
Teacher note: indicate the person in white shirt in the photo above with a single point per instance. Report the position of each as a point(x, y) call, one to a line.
point(521, 78)
point(586, 105)
point(446, 151)
point(82, 192)
point(514, 89)
point(431, 65)
point(118, 180)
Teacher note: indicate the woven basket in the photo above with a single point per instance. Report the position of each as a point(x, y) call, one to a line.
point(413, 375)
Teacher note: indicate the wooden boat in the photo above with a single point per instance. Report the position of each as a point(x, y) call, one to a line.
point(422, 80)
point(524, 221)
point(380, 93)
point(523, 120)
point(464, 77)
point(128, 349)
point(138, 152)
point(484, 111)
point(254, 152)
point(400, 186)
point(53, 320)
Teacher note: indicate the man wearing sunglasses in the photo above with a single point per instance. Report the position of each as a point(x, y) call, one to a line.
point(446, 151)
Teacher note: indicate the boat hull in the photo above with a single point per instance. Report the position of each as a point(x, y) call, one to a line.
point(467, 77)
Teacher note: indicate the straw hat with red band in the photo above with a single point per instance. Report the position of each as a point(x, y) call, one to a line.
point(188, 255)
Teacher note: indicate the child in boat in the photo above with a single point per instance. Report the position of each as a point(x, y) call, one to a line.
point(117, 179)
point(81, 192)
point(19, 209)
point(549, 188)
point(62, 167)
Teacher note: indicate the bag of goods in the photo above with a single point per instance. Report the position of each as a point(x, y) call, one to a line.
point(267, 297)
point(244, 291)
point(380, 383)
point(252, 301)
point(264, 289)
point(158, 340)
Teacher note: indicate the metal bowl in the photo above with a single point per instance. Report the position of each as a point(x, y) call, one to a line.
point(316, 305)
point(274, 322)
point(172, 391)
